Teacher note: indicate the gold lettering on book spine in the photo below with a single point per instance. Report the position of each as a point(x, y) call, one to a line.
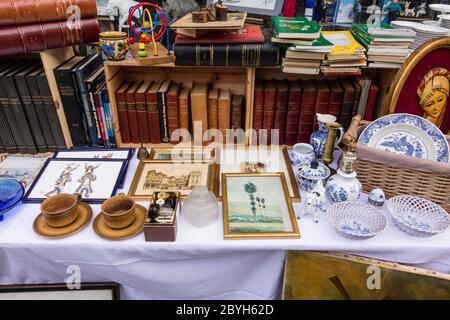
point(211, 55)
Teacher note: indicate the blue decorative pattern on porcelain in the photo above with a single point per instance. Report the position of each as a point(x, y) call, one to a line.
point(355, 227)
point(301, 153)
point(414, 222)
point(318, 139)
point(309, 174)
point(407, 143)
point(343, 189)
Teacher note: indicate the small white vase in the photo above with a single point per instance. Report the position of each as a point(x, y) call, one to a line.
point(344, 187)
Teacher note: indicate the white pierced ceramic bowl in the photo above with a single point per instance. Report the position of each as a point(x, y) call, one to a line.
point(417, 216)
point(356, 220)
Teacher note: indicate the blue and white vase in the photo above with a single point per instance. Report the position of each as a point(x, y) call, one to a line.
point(319, 137)
point(344, 186)
point(308, 174)
point(301, 153)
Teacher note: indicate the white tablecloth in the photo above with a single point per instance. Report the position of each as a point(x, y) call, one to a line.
point(199, 265)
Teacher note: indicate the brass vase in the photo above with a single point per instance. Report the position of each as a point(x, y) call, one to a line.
point(333, 128)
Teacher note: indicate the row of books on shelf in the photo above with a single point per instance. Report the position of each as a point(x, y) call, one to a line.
point(82, 87)
point(290, 106)
point(29, 121)
point(150, 111)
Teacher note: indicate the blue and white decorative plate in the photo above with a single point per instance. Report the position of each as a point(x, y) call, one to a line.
point(406, 134)
point(11, 192)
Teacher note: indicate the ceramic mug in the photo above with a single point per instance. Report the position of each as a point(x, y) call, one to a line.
point(119, 211)
point(61, 210)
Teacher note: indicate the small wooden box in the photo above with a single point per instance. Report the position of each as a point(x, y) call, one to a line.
point(155, 231)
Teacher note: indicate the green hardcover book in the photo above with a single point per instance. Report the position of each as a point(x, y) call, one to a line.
point(296, 28)
point(319, 44)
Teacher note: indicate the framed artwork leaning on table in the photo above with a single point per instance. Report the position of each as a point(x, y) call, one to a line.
point(166, 175)
point(187, 154)
point(257, 206)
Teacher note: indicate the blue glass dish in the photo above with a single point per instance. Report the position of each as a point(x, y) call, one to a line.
point(11, 192)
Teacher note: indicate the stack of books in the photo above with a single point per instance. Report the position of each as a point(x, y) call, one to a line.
point(346, 57)
point(305, 47)
point(387, 47)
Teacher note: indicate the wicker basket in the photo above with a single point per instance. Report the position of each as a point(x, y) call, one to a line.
point(397, 174)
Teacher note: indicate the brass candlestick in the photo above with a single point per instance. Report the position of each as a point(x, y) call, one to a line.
point(327, 156)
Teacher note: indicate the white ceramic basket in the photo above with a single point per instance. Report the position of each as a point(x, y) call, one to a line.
point(356, 220)
point(417, 216)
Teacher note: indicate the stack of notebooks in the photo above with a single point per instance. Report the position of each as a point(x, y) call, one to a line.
point(306, 47)
point(82, 87)
point(244, 47)
point(387, 47)
point(29, 122)
point(346, 57)
point(150, 111)
point(28, 26)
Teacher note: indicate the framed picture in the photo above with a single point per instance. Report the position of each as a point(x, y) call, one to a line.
point(96, 180)
point(88, 291)
point(187, 154)
point(160, 175)
point(262, 7)
point(257, 206)
point(98, 153)
point(258, 160)
point(23, 169)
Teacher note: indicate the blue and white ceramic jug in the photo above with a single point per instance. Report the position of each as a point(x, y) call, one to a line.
point(319, 137)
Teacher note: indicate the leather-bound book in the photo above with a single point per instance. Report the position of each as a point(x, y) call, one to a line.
point(18, 118)
point(172, 109)
point(236, 112)
point(293, 112)
point(183, 111)
point(121, 104)
point(270, 96)
point(42, 36)
point(162, 108)
point(347, 103)
point(322, 100)
point(73, 110)
point(213, 105)
point(19, 12)
point(253, 55)
point(132, 112)
point(199, 106)
point(248, 34)
point(307, 111)
point(357, 98)
point(371, 100)
point(281, 110)
point(153, 112)
point(8, 141)
point(336, 93)
point(224, 112)
point(94, 82)
point(141, 110)
point(258, 106)
point(30, 110)
point(39, 107)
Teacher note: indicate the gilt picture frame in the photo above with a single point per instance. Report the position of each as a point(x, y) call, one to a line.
point(183, 154)
point(177, 176)
point(257, 206)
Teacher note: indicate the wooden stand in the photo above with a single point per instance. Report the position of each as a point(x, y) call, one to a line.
point(152, 59)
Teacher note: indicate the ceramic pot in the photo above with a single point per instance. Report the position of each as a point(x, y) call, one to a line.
point(310, 173)
point(376, 197)
point(119, 211)
point(61, 210)
point(319, 137)
point(343, 187)
point(302, 153)
point(114, 45)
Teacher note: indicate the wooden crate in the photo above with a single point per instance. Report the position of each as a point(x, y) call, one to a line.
point(239, 80)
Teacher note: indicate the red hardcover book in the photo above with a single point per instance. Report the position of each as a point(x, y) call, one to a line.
point(122, 112)
point(371, 100)
point(153, 113)
point(248, 34)
point(141, 111)
point(132, 112)
point(258, 106)
point(347, 103)
point(307, 111)
point(322, 100)
point(33, 37)
point(293, 112)
point(270, 95)
point(336, 94)
point(172, 109)
point(280, 109)
point(289, 8)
